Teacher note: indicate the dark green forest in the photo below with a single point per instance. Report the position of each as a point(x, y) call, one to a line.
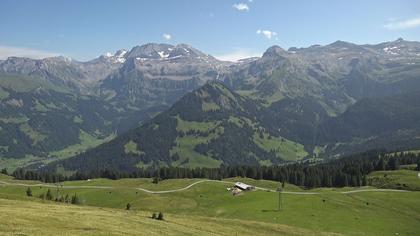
point(346, 171)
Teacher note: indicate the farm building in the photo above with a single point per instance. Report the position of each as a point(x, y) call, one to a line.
point(243, 186)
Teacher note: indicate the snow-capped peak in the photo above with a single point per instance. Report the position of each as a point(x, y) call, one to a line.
point(120, 53)
point(117, 57)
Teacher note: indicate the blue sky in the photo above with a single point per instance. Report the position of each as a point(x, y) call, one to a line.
point(85, 29)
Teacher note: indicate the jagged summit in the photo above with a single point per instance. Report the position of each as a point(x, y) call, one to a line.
point(150, 51)
point(163, 51)
point(117, 57)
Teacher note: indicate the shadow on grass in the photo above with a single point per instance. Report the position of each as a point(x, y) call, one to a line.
point(271, 210)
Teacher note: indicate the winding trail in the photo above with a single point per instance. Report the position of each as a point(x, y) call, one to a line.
point(191, 185)
point(182, 189)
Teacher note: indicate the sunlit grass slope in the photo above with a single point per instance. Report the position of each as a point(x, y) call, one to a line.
point(34, 218)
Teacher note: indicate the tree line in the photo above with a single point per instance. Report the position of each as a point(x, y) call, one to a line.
point(58, 198)
point(347, 171)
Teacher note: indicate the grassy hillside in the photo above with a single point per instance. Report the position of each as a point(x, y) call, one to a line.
point(23, 83)
point(326, 210)
point(85, 142)
point(34, 218)
point(400, 179)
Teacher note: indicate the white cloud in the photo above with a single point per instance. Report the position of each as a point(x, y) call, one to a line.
point(238, 55)
point(6, 51)
point(403, 24)
point(241, 6)
point(167, 36)
point(267, 33)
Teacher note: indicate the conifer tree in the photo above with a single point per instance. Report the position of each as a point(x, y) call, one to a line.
point(48, 196)
point(75, 199)
point(29, 192)
point(160, 216)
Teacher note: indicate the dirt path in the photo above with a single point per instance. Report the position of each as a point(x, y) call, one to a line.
point(191, 185)
point(374, 190)
point(54, 186)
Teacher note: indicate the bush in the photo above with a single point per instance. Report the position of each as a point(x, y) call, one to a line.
point(128, 206)
point(4, 171)
point(160, 216)
point(154, 216)
point(75, 199)
point(29, 192)
point(48, 196)
point(156, 180)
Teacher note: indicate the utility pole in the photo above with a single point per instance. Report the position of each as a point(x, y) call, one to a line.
point(57, 184)
point(280, 203)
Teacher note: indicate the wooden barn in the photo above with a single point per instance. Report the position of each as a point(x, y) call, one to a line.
point(243, 187)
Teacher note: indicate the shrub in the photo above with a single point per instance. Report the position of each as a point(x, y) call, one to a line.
point(160, 216)
point(75, 199)
point(29, 192)
point(128, 206)
point(48, 196)
point(4, 171)
point(154, 216)
point(156, 180)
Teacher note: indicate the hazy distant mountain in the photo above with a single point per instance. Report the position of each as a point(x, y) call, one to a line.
point(296, 91)
point(337, 75)
point(57, 70)
point(159, 74)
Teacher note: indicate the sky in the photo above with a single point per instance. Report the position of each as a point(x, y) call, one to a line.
point(227, 29)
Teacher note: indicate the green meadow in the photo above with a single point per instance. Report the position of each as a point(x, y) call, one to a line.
point(397, 179)
point(322, 211)
point(37, 218)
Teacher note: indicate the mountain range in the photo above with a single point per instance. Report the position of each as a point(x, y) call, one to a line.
point(174, 105)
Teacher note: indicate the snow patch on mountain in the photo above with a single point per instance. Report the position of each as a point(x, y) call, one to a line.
point(163, 55)
point(392, 50)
